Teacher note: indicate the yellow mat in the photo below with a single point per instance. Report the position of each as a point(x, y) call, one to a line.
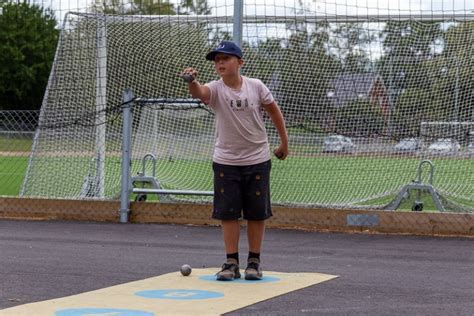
point(172, 294)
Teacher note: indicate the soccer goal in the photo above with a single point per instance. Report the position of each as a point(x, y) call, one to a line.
point(460, 132)
point(371, 80)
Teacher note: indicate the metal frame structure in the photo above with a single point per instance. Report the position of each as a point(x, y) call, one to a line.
point(127, 185)
point(238, 19)
point(418, 185)
point(447, 16)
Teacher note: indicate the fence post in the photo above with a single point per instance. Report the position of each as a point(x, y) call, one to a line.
point(238, 18)
point(126, 188)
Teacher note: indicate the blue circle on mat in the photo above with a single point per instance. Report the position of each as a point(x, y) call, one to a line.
point(180, 294)
point(101, 311)
point(265, 279)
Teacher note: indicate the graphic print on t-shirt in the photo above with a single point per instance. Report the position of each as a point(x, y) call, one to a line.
point(236, 105)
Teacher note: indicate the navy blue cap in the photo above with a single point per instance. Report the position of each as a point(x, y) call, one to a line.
point(225, 47)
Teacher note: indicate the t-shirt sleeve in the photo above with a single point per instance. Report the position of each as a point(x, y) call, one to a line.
point(266, 96)
point(213, 88)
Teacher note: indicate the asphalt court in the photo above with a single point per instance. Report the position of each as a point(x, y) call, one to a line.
point(377, 274)
point(173, 294)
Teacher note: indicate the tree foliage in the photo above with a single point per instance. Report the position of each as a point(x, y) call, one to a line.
point(429, 72)
point(359, 118)
point(407, 45)
point(454, 84)
point(200, 7)
point(426, 67)
point(351, 44)
point(28, 39)
point(413, 107)
point(151, 7)
point(297, 69)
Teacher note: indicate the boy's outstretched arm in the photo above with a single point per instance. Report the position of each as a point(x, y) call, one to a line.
point(276, 116)
point(196, 89)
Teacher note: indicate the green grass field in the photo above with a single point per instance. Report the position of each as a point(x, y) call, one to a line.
point(13, 144)
point(322, 180)
point(12, 173)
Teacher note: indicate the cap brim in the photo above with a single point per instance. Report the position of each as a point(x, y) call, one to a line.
point(210, 56)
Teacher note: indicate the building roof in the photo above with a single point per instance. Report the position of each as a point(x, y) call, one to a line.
point(349, 87)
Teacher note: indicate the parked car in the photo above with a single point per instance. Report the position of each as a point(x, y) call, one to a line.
point(408, 145)
point(470, 148)
point(444, 146)
point(338, 144)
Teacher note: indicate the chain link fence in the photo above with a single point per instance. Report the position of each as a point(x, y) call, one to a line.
point(17, 130)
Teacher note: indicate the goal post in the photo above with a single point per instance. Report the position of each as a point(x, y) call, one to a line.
point(370, 80)
point(101, 107)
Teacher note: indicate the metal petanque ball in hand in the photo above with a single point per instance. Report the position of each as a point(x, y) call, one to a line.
point(188, 77)
point(185, 269)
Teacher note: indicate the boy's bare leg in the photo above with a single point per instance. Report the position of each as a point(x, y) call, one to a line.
point(231, 232)
point(255, 233)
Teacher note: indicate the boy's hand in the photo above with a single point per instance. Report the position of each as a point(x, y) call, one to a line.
point(281, 152)
point(189, 75)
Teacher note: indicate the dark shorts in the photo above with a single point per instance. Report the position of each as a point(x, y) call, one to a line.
point(242, 189)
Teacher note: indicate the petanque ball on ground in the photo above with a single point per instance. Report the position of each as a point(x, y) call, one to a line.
point(185, 269)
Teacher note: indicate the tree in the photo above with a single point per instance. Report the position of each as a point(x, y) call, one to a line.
point(151, 7)
point(413, 107)
point(199, 7)
point(407, 45)
point(359, 118)
point(454, 82)
point(351, 44)
point(297, 69)
point(429, 72)
point(28, 39)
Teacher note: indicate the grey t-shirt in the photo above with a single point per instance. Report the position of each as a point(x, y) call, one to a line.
point(241, 137)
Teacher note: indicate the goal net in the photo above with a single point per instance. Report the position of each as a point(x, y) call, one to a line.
point(353, 88)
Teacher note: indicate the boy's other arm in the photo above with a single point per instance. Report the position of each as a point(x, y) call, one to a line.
point(276, 116)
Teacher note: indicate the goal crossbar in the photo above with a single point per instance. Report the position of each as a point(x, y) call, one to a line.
point(310, 18)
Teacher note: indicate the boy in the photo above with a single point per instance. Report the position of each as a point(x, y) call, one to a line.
point(241, 160)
